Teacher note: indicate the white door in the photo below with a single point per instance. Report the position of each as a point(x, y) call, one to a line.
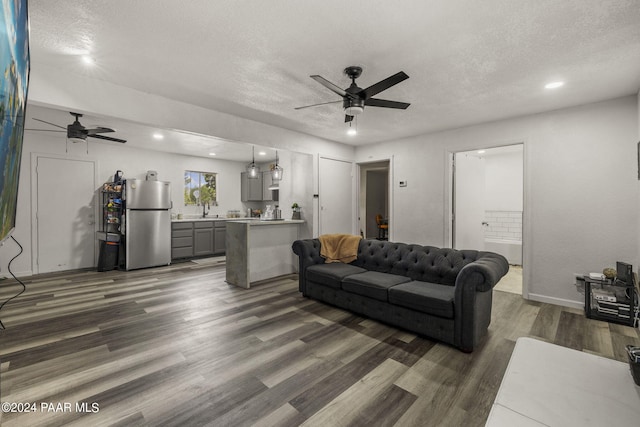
point(65, 214)
point(469, 201)
point(336, 196)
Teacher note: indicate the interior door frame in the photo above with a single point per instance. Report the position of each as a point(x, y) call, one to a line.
point(34, 202)
point(527, 234)
point(390, 180)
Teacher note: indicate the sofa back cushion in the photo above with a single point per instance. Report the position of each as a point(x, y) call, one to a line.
point(423, 263)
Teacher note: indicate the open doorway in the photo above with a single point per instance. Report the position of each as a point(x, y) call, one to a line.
point(487, 206)
point(374, 200)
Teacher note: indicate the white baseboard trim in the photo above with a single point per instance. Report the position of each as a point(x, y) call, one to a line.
point(6, 275)
point(557, 301)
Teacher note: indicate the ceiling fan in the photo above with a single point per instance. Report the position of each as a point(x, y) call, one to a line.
point(355, 98)
point(78, 133)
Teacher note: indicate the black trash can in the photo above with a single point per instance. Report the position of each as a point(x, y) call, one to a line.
point(108, 257)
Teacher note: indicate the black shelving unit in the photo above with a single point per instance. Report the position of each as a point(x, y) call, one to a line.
point(110, 234)
point(610, 301)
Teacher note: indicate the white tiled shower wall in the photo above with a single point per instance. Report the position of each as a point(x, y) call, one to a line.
point(503, 225)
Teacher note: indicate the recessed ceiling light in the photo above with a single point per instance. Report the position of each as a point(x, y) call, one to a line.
point(262, 153)
point(158, 136)
point(88, 60)
point(553, 85)
point(212, 154)
point(482, 151)
point(352, 132)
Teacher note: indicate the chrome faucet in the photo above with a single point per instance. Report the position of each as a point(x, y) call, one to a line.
point(205, 212)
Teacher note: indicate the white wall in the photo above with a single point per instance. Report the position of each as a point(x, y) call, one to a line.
point(296, 186)
point(503, 182)
point(579, 163)
point(470, 201)
point(52, 87)
point(109, 157)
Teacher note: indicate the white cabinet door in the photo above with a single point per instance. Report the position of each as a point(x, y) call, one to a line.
point(65, 214)
point(336, 196)
point(469, 195)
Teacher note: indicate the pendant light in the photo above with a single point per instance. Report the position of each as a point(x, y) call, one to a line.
point(276, 171)
point(252, 169)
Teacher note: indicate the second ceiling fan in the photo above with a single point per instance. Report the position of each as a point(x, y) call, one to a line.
point(355, 98)
point(78, 133)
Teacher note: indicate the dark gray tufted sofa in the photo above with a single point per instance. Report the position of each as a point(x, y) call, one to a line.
point(444, 294)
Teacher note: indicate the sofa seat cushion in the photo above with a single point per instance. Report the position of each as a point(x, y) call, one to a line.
point(331, 274)
point(425, 297)
point(372, 284)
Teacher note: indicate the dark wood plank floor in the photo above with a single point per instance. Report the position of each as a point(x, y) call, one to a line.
point(177, 346)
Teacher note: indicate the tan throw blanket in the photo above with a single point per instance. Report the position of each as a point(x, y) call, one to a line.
point(339, 247)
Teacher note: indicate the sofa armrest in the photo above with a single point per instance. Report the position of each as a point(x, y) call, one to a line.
point(473, 297)
point(483, 273)
point(308, 251)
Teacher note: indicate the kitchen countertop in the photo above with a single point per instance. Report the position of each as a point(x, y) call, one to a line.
point(243, 220)
point(213, 218)
point(259, 250)
point(257, 221)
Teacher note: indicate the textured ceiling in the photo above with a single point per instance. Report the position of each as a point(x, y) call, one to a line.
point(468, 61)
point(142, 136)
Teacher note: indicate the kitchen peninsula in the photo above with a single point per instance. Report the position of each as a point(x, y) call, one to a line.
point(259, 250)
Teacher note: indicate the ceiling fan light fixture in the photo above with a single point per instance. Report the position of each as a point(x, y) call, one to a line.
point(76, 139)
point(353, 110)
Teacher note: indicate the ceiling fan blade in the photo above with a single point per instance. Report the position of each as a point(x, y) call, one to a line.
point(375, 102)
point(44, 130)
point(347, 118)
point(92, 132)
point(108, 138)
point(315, 105)
point(326, 83)
point(49, 123)
point(384, 84)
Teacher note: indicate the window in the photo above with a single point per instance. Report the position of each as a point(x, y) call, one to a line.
point(199, 188)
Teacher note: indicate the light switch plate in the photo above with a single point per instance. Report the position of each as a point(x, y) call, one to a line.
point(403, 183)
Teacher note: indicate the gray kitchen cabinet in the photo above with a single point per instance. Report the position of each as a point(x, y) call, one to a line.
point(198, 238)
point(250, 189)
point(203, 238)
point(181, 240)
point(220, 238)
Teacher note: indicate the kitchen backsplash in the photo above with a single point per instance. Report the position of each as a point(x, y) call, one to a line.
point(503, 225)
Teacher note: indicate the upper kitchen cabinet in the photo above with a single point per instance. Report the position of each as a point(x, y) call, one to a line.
point(251, 189)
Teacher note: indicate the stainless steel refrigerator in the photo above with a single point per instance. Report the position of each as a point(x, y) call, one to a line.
point(147, 223)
